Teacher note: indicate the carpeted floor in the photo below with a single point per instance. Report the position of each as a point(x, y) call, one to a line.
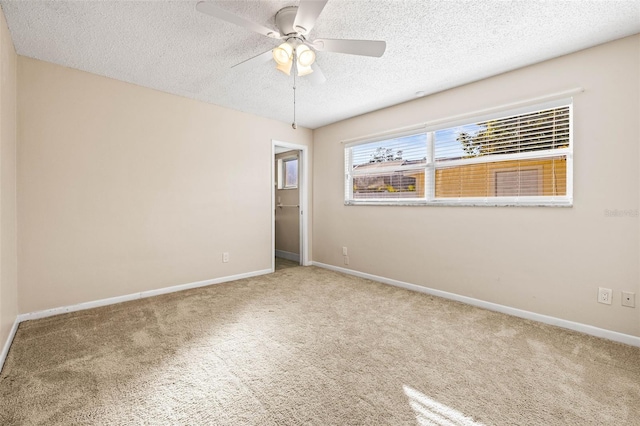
point(310, 346)
point(282, 263)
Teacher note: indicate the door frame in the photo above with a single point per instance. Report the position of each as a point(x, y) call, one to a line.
point(303, 194)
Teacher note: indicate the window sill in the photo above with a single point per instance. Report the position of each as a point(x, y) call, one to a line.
point(464, 203)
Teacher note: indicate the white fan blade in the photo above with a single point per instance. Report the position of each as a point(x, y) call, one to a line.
point(316, 77)
point(210, 9)
point(308, 12)
point(253, 62)
point(352, 47)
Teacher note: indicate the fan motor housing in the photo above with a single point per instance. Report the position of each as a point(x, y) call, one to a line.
point(284, 21)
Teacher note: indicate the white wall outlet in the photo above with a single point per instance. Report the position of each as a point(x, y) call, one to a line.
point(225, 257)
point(344, 251)
point(346, 260)
point(628, 299)
point(605, 295)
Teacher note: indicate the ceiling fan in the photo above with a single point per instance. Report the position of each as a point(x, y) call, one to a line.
point(294, 25)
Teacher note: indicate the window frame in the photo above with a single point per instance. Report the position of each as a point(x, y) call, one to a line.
point(432, 166)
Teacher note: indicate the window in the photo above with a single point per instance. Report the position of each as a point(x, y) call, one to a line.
point(389, 169)
point(518, 158)
point(288, 173)
point(291, 173)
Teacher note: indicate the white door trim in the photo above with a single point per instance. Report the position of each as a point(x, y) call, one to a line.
point(303, 186)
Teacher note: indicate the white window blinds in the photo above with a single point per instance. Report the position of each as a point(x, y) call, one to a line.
point(388, 169)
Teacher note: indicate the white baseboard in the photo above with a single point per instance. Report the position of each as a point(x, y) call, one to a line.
point(288, 255)
point(583, 328)
point(7, 344)
point(134, 296)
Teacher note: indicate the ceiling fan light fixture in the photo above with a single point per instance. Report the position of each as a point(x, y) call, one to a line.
point(283, 54)
point(285, 68)
point(302, 71)
point(305, 56)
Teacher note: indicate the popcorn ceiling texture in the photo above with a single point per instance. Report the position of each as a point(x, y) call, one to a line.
point(431, 46)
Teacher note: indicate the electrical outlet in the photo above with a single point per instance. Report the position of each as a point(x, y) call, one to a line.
point(225, 257)
point(628, 299)
point(605, 295)
point(346, 260)
point(344, 251)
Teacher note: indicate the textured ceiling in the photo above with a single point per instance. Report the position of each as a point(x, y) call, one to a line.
point(431, 46)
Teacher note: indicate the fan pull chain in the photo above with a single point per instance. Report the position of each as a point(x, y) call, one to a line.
point(294, 125)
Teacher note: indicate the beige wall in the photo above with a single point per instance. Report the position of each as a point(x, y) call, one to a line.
point(123, 189)
point(287, 226)
point(8, 247)
point(546, 260)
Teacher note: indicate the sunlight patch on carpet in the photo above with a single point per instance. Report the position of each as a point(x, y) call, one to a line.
point(430, 412)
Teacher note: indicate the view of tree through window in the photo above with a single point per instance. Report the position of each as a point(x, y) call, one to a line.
point(540, 130)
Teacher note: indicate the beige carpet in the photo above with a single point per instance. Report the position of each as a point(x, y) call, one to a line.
point(311, 346)
point(282, 263)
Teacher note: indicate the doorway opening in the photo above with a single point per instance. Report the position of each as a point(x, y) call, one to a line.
point(289, 205)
